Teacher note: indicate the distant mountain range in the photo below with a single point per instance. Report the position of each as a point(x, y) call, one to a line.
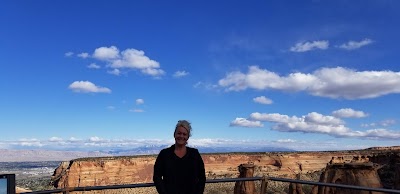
point(148, 150)
point(51, 155)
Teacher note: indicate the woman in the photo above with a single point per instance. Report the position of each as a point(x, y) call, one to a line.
point(179, 169)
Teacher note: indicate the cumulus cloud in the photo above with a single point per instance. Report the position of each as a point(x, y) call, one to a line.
point(178, 74)
point(55, 139)
point(68, 54)
point(139, 101)
point(114, 72)
point(349, 113)
point(93, 66)
point(262, 100)
point(351, 45)
point(318, 123)
point(95, 139)
point(106, 53)
point(87, 87)
point(83, 55)
point(127, 59)
point(73, 139)
point(333, 83)
point(307, 46)
point(242, 122)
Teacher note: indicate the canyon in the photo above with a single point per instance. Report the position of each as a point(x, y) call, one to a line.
point(98, 171)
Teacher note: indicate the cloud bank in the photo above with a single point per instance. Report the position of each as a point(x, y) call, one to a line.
point(333, 83)
point(316, 123)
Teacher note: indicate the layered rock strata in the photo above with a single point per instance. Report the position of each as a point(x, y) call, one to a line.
point(359, 172)
point(139, 169)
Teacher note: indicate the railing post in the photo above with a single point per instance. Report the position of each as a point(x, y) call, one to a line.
point(245, 187)
point(296, 188)
point(264, 185)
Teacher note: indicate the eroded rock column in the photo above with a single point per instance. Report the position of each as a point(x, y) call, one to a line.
point(245, 187)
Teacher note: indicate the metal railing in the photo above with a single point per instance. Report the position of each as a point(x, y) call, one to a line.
point(264, 183)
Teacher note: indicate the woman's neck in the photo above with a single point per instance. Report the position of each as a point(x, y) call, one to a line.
point(180, 147)
point(180, 150)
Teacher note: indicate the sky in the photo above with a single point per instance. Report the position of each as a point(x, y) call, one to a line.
point(304, 75)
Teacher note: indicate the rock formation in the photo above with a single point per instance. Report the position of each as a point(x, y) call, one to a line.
point(358, 171)
point(245, 187)
point(104, 171)
point(139, 169)
point(397, 176)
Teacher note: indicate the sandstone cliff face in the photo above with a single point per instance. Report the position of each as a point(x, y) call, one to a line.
point(104, 171)
point(359, 171)
point(390, 168)
point(139, 169)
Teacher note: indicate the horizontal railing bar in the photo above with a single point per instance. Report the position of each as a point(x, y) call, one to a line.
point(334, 185)
point(92, 188)
point(234, 179)
point(217, 181)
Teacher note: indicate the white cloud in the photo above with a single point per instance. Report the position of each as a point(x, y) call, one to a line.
point(178, 74)
point(87, 87)
point(55, 139)
point(387, 122)
point(68, 54)
point(153, 72)
point(93, 66)
point(349, 113)
point(98, 144)
point(333, 83)
point(318, 123)
point(136, 110)
point(319, 119)
point(139, 101)
point(242, 122)
point(206, 86)
point(95, 139)
point(262, 100)
point(286, 140)
point(114, 72)
point(111, 107)
point(134, 59)
point(351, 45)
point(106, 53)
point(30, 142)
point(307, 46)
point(73, 139)
point(384, 123)
point(83, 55)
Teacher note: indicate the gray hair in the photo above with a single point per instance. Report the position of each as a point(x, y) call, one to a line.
point(185, 124)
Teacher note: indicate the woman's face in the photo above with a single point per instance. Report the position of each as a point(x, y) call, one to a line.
point(181, 136)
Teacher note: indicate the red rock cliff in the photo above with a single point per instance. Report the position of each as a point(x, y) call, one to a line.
point(139, 169)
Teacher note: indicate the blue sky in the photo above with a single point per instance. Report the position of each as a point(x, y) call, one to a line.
point(305, 75)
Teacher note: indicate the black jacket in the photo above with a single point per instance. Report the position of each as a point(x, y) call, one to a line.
point(174, 175)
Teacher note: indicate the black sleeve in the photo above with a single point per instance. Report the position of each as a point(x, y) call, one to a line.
point(201, 175)
point(159, 172)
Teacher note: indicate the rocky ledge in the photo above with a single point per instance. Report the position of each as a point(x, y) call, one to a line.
point(99, 171)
